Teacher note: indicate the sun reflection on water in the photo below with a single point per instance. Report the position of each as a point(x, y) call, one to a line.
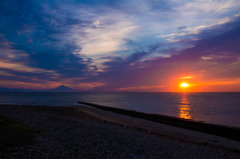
point(184, 108)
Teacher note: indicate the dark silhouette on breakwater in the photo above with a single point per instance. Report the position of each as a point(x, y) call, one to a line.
point(218, 130)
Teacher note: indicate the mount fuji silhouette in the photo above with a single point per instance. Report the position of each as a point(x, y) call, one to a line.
point(62, 88)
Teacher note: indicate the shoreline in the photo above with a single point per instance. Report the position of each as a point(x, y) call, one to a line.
point(163, 129)
point(213, 129)
point(86, 132)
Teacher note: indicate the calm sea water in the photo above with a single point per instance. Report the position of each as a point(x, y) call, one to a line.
point(216, 108)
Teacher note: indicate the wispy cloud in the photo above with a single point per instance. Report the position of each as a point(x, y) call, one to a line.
point(107, 39)
point(211, 7)
point(140, 88)
point(22, 68)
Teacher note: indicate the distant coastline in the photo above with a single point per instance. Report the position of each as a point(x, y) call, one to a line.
point(61, 88)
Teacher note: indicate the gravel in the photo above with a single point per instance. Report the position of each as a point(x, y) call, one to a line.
point(70, 134)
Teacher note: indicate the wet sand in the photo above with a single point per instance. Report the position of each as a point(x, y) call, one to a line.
point(84, 132)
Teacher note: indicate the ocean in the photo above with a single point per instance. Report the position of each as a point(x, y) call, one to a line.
point(215, 108)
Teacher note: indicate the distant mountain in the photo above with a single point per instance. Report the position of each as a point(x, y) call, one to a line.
point(62, 88)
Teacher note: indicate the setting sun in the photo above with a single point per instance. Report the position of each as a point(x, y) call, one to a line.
point(184, 85)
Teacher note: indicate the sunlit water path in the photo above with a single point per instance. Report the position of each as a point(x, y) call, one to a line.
point(216, 108)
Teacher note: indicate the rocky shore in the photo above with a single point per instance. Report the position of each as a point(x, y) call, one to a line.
point(68, 132)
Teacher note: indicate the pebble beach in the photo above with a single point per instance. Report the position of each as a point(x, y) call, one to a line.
point(68, 132)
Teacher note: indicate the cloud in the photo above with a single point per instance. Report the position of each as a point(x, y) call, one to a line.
point(211, 58)
point(193, 17)
point(3, 73)
point(22, 68)
point(187, 77)
point(88, 86)
point(107, 36)
point(211, 7)
point(42, 38)
point(111, 45)
point(139, 88)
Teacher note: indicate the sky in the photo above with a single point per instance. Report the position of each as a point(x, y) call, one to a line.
point(121, 45)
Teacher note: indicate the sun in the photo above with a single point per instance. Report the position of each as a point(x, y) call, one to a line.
point(184, 85)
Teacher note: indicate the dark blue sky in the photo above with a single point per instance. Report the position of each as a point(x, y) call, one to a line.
point(124, 45)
